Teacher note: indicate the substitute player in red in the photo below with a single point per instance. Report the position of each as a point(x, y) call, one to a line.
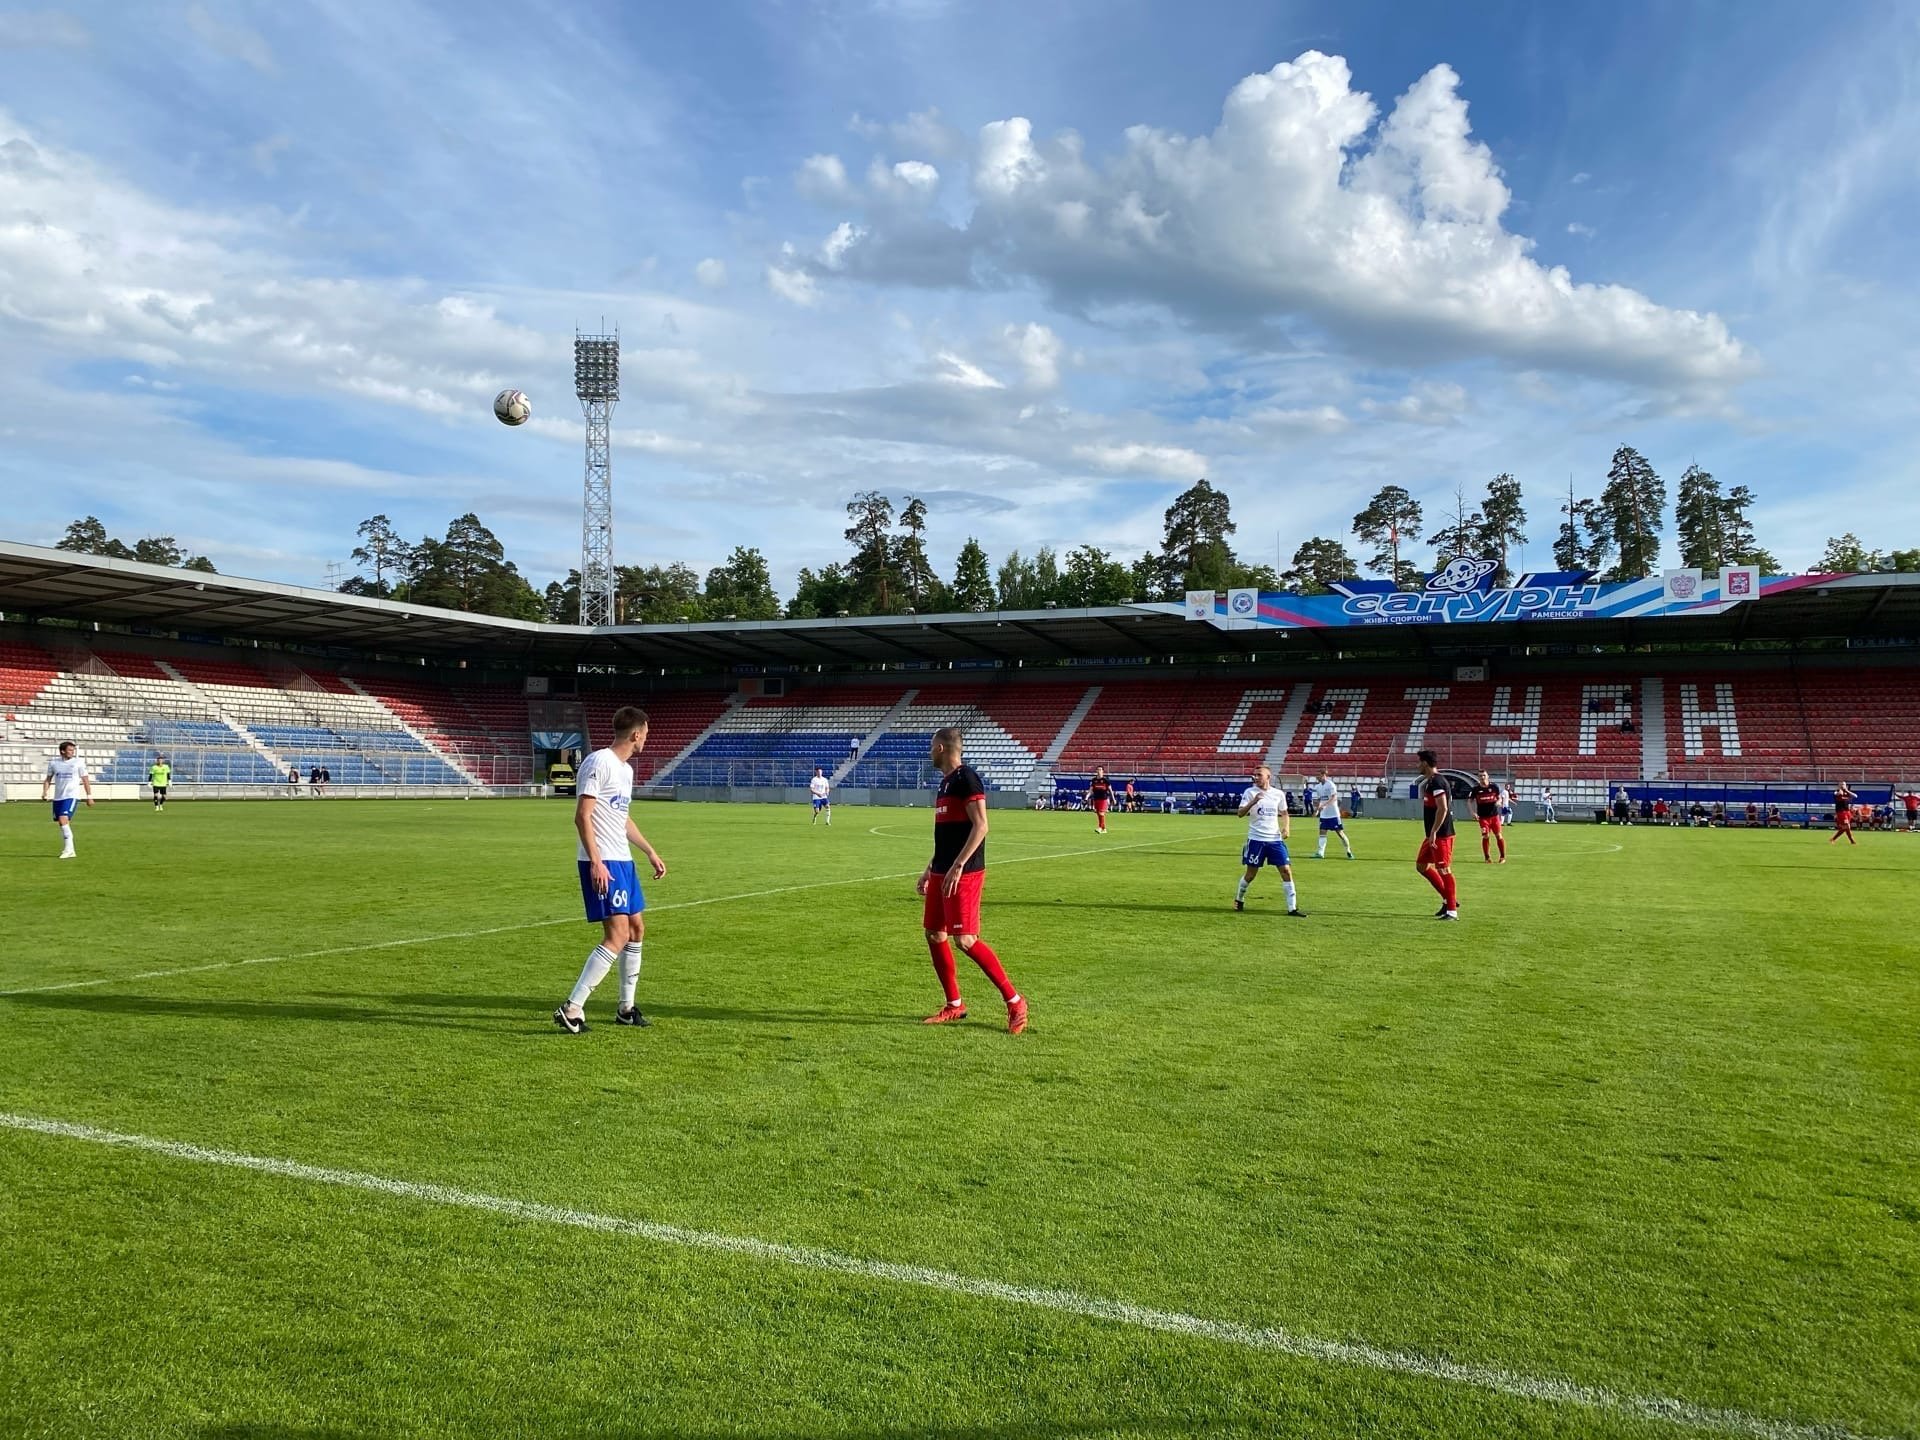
point(1436, 851)
point(1100, 796)
point(1843, 798)
point(953, 879)
point(1486, 809)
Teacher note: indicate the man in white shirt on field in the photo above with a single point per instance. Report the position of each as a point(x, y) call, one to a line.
point(821, 789)
point(603, 790)
point(68, 782)
point(1546, 804)
point(1324, 796)
point(1268, 824)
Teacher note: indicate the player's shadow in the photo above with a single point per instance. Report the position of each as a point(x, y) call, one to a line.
point(232, 1009)
point(521, 1006)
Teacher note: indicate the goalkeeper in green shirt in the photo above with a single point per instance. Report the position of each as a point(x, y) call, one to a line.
point(159, 776)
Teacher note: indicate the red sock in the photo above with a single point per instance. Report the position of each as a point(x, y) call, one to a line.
point(1484, 855)
point(943, 967)
point(1433, 879)
point(1503, 847)
point(982, 955)
point(1451, 891)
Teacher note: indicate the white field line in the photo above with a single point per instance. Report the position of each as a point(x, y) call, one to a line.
point(1543, 1389)
point(569, 920)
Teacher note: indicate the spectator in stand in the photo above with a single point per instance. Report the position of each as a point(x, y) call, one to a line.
point(293, 780)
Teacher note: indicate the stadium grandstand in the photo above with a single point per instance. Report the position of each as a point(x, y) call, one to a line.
point(239, 682)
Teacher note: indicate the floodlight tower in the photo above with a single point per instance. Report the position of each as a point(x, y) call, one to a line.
point(596, 380)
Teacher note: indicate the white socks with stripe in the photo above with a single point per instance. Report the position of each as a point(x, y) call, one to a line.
point(591, 974)
point(629, 973)
point(1293, 897)
point(1241, 893)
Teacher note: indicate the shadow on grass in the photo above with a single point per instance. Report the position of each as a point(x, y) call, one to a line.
point(98, 1003)
point(669, 1430)
point(521, 1006)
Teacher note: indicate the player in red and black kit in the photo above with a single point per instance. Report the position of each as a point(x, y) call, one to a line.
point(1100, 796)
point(1486, 809)
point(1436, 851)
point(953, 880)
point(1843, 799)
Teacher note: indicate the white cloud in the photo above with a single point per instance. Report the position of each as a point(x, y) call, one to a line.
point(34, 29)
point(1038, 350)
point(1585, 232)
point(823, 178)
point(1427, 403)
point(1298, 208)
point(1580, 178)
point(794, 286)
point(956, 370)
point(1171, 461)
point(711, 273)
point(235, 41)
point(834, 248)
point(921, 133)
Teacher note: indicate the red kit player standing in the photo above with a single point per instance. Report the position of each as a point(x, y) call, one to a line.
point(953, 880)
point(1435, 861)
point(1486, 809)
point(1100, 796)
point(1843, 798)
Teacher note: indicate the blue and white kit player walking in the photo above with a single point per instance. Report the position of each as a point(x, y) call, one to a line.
point(608, 884)
point(1267, 828)
point(1325, 799)
point(821, 789)
point(67, 784)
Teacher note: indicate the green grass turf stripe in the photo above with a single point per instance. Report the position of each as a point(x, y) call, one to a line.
point(565, 920)
point(1544, 1389)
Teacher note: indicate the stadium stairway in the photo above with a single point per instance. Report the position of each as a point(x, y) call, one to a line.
point(252, 741)
point(872, 738)
point(450, 757)
point(660, 776)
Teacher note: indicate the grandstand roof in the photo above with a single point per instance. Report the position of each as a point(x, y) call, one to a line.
point(56, 583)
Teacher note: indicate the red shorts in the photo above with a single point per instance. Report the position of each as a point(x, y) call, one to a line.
point(1435, 852)
point(1100, 806)
point(958, 913)
point(1489, 824)
point(1843, 819)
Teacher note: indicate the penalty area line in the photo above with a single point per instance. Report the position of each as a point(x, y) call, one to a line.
point(1514, 1384)
point(374, 945)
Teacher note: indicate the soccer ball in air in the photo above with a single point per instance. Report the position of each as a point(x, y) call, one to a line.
point(511, 407)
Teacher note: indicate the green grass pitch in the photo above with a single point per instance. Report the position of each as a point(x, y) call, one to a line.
point(1646, 1122)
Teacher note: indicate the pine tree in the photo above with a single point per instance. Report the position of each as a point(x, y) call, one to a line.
point(1700, 516)
point(1503, 525)
point(910, 555)
point(972, 579)
point(1316, 565)
point(1461, 534)
point(1582, 540)
point(1195, 553)
point(1632, 506)
point(871, 569)
point(1392, 519)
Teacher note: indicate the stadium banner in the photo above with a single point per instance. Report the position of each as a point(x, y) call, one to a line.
point(559, 740)
point(1463, 593)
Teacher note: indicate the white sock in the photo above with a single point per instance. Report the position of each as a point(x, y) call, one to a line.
point(1320, 850)
point(1241, 893)
point(1293, 896)
point(629, 974)
point(591, 974)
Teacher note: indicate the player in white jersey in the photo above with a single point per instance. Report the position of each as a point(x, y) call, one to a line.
point(1268, 825)
point(603, 790)
point(821, 789)
point(1324, 796)
point(68, 782)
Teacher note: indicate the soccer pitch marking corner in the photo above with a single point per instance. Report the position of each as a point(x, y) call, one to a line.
point(373, 945)
point(1540, 1389)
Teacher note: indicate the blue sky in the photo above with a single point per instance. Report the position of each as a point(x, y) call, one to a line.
point(263, 266)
